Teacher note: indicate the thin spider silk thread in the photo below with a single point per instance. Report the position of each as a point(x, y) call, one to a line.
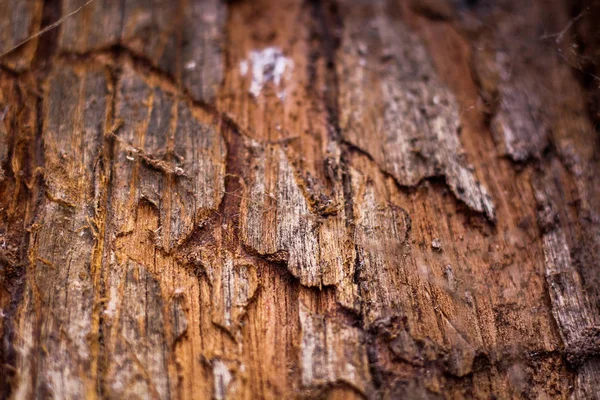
point(46, 29)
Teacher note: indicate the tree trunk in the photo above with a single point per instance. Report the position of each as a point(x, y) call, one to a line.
point(280, 199)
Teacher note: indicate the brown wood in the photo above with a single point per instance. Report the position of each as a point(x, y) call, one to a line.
point(281, 199)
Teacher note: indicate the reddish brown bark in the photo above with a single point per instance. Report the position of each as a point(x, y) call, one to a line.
point(376, 199)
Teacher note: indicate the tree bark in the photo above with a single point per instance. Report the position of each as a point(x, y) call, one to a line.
point(281, 199)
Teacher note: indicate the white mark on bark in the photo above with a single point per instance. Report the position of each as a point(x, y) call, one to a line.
point(268, 65)
point(190, 65)
point(222, 378)
point(243, 67)
point(111, 308)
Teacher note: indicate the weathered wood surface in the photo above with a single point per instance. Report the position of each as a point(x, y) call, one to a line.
point(341, 198)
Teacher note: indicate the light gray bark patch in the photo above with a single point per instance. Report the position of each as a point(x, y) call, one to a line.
point(395, 108)
point(234, 286)
point(515, 84)
point(332, 352)
point(575, 314)
point(519, 122)
point(178, 316)
point(380, 234)
point(139, 364)
point(222, 378)
point(276, 220)
point(523, 60)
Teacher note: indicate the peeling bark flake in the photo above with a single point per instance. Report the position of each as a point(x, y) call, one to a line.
point(394, 107)
point(331, 353)
point(277, 222)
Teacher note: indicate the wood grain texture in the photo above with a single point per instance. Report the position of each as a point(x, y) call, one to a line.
point(181, 38)
point(57, 308)
point(388, 85)
point(299, 199)
point(21, 20)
